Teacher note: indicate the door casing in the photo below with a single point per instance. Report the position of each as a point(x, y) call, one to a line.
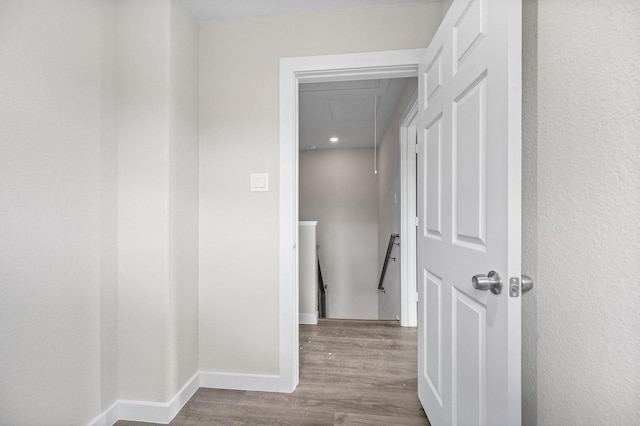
point(408, 215)
point(313, 69)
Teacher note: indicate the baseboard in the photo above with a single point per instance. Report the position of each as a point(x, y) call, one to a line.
point(150, 412)
point(158, 412)
point(252, 382)
point(311, 319)
point(164, 412)
point(108, 418)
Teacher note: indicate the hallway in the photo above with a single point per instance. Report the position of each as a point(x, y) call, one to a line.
point(351, 373)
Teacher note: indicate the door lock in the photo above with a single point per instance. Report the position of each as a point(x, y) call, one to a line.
point(524, 284)
point(491, 282)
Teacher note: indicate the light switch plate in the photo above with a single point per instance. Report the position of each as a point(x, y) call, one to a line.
point(259, 182)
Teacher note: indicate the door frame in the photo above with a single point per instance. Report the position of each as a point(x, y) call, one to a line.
point(408, 215)
point(293, 71)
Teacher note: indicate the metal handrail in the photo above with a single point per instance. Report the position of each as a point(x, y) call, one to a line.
point(322, 301)
point(392, 241)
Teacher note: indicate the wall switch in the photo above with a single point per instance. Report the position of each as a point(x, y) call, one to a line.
point(259, 182)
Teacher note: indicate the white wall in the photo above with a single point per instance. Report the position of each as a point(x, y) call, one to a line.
point(183, 216)
point(157, 204)
point(389, 205)
point(339, 189)
point(239, 72)
point(581, 203)
point(57, 211)
point(143, 205)
point(93, 194)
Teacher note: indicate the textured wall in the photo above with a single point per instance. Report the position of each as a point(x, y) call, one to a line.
point(57, 211)
point(389, 204)
point(581, 203)
point(339, 189)
point(239, 72)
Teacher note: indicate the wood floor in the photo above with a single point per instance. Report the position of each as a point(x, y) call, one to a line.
point(351, 373)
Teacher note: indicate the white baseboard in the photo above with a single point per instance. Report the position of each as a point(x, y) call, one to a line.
point(150, 412)
point(311, 319)
point(252, 382)
point(108, 418)
point(164, 412)
point(158, 412)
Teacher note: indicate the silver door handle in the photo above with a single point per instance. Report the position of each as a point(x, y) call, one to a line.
point(527, 283)
point(491, 282)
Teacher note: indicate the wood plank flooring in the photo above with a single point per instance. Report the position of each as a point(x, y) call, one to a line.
point(351, 373)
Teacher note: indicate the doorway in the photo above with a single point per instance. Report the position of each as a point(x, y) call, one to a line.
point(293, 72)
point(349, 197)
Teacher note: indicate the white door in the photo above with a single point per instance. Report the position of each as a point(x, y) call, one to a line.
point(469, 169)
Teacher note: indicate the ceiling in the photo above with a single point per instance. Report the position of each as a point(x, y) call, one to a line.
point(346, 110)
point(234, 9)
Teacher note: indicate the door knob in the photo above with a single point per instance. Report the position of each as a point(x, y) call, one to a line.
point(527, 283)
point(491, 282)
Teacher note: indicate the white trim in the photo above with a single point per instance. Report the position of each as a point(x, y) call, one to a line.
point(237, 381)
point(408, 243)
point(514, 212)
point(108, 417)
point(288, 228)
point(150, 412)
point(357, 66)
point(158, 412)
point(410, 113)
point(309, 319)
point(164, 412)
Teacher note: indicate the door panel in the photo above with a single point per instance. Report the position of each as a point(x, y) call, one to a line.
point(469, 147)
point(469, 172)
point(469, 358)
point(469, 29)
point(433, 180)
point(433, 333)
point(433, 77)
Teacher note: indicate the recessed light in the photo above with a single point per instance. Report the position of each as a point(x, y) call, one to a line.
point(334, 139)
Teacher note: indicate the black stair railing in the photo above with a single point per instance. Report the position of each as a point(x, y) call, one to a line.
point(392, 241)
point(322, 301)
